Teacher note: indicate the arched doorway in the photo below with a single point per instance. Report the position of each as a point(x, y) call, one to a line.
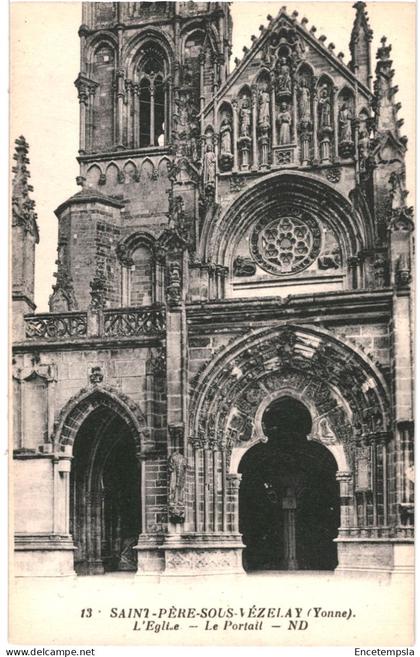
point(105, 494)
point(289, 510)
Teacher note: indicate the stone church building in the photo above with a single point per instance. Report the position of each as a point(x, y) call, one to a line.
point(224, 381)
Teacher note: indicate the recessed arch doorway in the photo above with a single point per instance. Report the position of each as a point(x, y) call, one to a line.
point(289, 505)
point(105, 518)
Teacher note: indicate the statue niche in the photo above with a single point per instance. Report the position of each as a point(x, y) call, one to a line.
point(245, 127)
point(225, 131)
point(345, 123)
point(209, 163)
point(305, 113)
point(284, 121)
point(264, 119)
point(325, 120)
point(177, 465)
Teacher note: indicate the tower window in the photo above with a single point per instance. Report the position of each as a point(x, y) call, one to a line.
point(153, 98)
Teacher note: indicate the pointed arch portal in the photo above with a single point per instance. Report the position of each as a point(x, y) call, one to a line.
point(105, 494)
point(103, 430)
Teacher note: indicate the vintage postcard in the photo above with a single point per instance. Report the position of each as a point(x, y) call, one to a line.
point(212, 305)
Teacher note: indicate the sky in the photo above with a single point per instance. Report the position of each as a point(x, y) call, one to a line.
point(44, 106)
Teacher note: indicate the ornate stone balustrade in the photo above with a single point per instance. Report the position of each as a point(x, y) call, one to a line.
point(134, 322)
point(56, 325)
point(109, 323)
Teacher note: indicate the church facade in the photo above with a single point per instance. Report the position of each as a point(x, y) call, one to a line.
point(223, 382)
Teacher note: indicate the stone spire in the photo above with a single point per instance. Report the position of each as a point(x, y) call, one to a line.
point(385, 107)
point(23, 207)
point(361, 37)
point(25, 236)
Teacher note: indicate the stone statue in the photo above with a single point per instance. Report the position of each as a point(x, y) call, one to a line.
point(264, 108)
point(284, 79)
point(330, 260)
point(363, 144)
point(305, 101)
point(325, 107)
point(177, 465)
point(285, 120)
point(245, 118)
point(209, 166)
point(344, 120)
point(244, 266)
point(173, 290)
point(326, 435)
point(226, 136)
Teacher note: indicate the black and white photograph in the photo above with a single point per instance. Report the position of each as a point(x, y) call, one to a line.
point(212, 310)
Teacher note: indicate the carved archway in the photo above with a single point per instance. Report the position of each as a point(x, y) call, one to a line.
point(303, 192)
point(103, 430)
point(345, 391)
point(87, 400)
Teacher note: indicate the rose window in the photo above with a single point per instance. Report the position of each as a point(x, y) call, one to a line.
point(287, 244)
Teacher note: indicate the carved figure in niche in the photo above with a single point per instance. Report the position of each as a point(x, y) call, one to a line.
point(283, 75)
point(226, 136)
point(305, 102)
point(177, 465)
point(244, 266)
point(330, 260)
point(245, 118)
point(264, 107)
point(324, 103)
point(182, 111)
point(363, 144)
point(173, 290)
point(209, 166)
point(187, 74)
point(402, 272)
point(58, 302)
point(344, 121)
point(326, 434)
point(284, 119)
point(398, 193)
point(379, 269)
point(325, 149)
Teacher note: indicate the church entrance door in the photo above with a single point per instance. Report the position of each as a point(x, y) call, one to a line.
point(289, 498)
point(105, 495)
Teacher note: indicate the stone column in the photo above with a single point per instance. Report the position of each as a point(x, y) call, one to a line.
point(206, 510)
point(335, 119)
point(235, 135)
point(289, 525)
point(294, 111)
point(201, 59)
point(273, 112)
point(353, 264)
point(152, 112)
point(197, 447)
point(345, 480)
point(234, 481)
point(83, 104)
point(120, 107)
point(315, 117)
point(254, 130)
point(89, 125)
point(404, 471)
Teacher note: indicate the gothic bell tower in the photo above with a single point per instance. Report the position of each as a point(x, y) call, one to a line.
point(147, 72)
point(138, 59)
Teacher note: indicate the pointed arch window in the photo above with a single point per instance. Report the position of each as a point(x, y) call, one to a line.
point(154, 101)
